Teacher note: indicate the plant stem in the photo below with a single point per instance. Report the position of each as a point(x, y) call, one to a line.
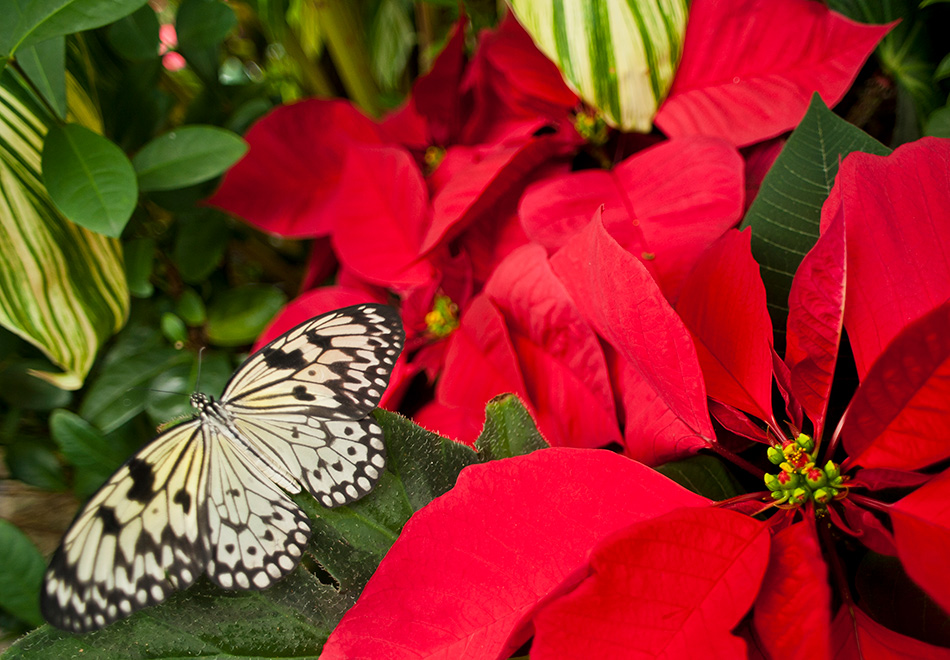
point(346, 44)
point(735, 459)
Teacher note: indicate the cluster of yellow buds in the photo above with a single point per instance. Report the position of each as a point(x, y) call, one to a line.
point(800, 480)
point(444, 317)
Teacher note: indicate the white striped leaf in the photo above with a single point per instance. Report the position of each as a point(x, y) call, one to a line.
point(618, 55)
point(62, 287)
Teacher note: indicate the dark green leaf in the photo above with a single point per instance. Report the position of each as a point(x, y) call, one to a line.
point(21, 573)
point(136, 36)
point(163, 404)
point(200, 245)
point(938, 124)
point(94, 455)
point(20, 389)
point(237, 316)
point(191, 308)
point(116, 395)
point(32, 463)
point(27, 22)
point(89, 179)
point(704, 475)
point(786, 213)
point(186, 156)
point(139, 256)
point(45, 65)
point(174, 329)
point(203, 23)
point(943, 69)
point(508, 431)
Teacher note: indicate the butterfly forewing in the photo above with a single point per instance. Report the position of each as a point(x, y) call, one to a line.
point(137, 539)
point(208, 495)
point(335, 367)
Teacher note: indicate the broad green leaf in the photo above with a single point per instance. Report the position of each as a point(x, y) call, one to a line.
point(27, 22)
point(203, 23)
point(938, 124)
point(20, 388)
point(704, 475)
point(93, 455)
point(787, 211)
point(33, 463)
point(45, 65)
point(186, 156)
point(619, 56)
point(295, 616)
point(943, 69)
point(89, 178)
point(191, 308)
point(136, 36)
point(139, 257)
point(62, 287)
point(237, 316)
point(21, 573)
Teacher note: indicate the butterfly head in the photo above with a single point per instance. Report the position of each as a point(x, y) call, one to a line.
point(200, 400)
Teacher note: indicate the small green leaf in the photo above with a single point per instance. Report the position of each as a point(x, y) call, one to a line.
point(139, 257)
point(943, 69)
point(239, 315)
point(21, 573)
point(191, 308)
point(187, 156)
point(89, 178)
point(45, 65)
point(938, 124)
point(508, 431)
point(135, 37)
point(174, 329)
point(787, 211)
point(38, 20)
point(704, 475)
point(200, 243)
point(203, 23)
point(392, 37)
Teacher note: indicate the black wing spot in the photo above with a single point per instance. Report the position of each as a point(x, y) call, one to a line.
point(301, 394)
point(278, 359)
point(294, 433)
point(351, 451)
point(277, 516)
point(338, 466)
point(252, 550)
point(320, 341)
point(183, 498)
point(316, 473)
point(348, 430)
point(268, 536)
point(229, 548)
point(234, 492)
point(143, 480)
point(110, 524)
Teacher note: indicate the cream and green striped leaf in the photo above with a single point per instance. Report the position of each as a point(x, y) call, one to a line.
point(618, 55)
point(62, 287)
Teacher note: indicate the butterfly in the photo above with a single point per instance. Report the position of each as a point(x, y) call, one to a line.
point(210, 495)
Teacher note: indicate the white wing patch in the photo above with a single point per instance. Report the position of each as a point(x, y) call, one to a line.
point(206, 496)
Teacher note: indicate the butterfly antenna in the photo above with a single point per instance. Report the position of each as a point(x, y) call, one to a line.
point(198, 376)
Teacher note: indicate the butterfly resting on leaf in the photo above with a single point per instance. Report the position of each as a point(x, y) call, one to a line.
point(208, 496)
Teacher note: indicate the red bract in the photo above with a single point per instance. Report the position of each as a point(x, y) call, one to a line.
point(749, 67)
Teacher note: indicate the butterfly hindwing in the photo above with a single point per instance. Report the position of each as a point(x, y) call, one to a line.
point(257, 534)
point(136, 540)
point(337, 461)
point(333, 367)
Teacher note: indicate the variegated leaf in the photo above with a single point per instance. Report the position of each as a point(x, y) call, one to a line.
point(62, 287)
point(617, 55)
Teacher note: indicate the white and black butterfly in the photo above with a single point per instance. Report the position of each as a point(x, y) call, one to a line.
point(207, 496)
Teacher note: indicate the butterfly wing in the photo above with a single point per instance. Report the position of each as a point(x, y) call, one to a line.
point(136, 540)
point(256, 533)
point(304, 400)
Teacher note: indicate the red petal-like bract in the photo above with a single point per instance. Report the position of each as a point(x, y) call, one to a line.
point(815, 321)
point(862, 638)
point(561, 359)
point(898, 229)
point(722, 302)
point(663, 391)
point(796, 575)
point(750, 67)
point(663, 588)
point(381, 209)
point(471, 567)
point(899, 417)
point(293, 166)
point(922, 534)
point(665, 205)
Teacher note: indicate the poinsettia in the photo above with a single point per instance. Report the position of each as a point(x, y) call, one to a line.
point(664, 575)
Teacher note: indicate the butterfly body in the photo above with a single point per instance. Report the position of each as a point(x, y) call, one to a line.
point(209, 495)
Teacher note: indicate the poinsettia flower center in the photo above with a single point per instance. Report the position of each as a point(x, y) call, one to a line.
point(800, 479)
point(444, 317)
point(433, 157)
